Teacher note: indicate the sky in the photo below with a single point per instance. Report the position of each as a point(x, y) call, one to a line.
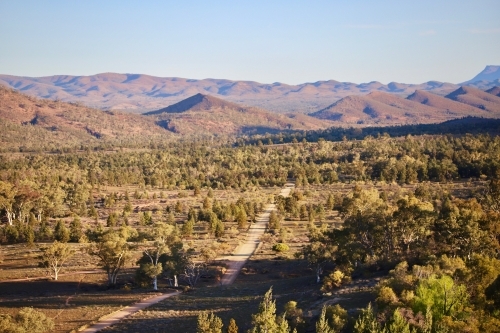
point(269, 41)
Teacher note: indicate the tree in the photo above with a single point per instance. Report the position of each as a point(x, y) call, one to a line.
point(176, 260)
point(367, 323)
point(241, 218)
point(192, 271)
point(27, 320)
point(398, 324)
point(319, 251)
point(232, 328)
point(61, 233)
point(112, 250)
point(411, 222)
point(322, 325)
point(75, 230)
point(7, 194)
point(55, 256)
point(333, 280)
point(337, 317)
point(187, 228)
point(274, 221)
point(209, 323)
point(153, 267)
point(264, 321)
point(442, 295)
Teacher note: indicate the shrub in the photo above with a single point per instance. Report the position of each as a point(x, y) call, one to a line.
point(280, 247)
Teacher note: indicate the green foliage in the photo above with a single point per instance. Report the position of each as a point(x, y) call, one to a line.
point(274, 221)
point(209, 323)
point(398, 324)
point(27, 320)
point(386, 297)
point(232, 328)
point(61, 233)
point(280, 247)
point(264, 320)
point(55, 256)
point(322, 325)
point(334, 280)
point(337, 317)
point(76, 230)
point(492, 292)
point(113, 251)
point(442, 295)
point(187, 228)
point(367, 322)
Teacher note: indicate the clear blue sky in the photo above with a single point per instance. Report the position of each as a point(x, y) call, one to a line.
point(266, 41)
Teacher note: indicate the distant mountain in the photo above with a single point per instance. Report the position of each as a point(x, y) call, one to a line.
point(476, 98)
point(494, 91)
point(444, 105)
point(197, 102)
point(139, 93)
point(27, 122)
point(205, 114)
point(489, 73)
point(378, 108)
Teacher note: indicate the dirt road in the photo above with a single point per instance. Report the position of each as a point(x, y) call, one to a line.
point(240, 255)
point(116, 317)
point(234, 262)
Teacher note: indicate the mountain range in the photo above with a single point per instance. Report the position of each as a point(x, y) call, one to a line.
point(418, 108)
point(140, 93)
point(28, 122)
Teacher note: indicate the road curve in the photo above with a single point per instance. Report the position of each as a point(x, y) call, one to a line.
point(116, 317)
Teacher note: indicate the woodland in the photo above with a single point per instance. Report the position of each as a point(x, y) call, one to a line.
point(415, 210)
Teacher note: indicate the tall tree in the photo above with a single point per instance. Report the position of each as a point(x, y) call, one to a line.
point(264, 321)
point(113, 251)
point(162, 234)
point(55, 256)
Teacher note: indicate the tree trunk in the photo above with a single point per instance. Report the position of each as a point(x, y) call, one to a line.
point(10, 216)
point(176, 284)
point(319, 270)
point(155, 283)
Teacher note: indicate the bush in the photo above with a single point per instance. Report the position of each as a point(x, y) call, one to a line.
point(280, 247)
point(26, 320)
point(334, 280)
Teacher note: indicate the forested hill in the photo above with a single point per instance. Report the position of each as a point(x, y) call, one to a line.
point(209, 115)
point(471, 125)
point(29, 123)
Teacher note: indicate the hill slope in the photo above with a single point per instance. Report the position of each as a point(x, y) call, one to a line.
point(494, 91)
point(205, 114)
point(476, 98)
point(31, 122)
point(419, 107)
point(445, 106)
point(197, 102)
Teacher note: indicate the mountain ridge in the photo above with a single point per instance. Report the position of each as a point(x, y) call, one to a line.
point(140, 93)
point(207, 114)
point(381, 108)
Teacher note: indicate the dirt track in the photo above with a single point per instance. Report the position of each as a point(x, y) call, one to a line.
point(115, 317)
point(237, 259)
point(234, 262)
